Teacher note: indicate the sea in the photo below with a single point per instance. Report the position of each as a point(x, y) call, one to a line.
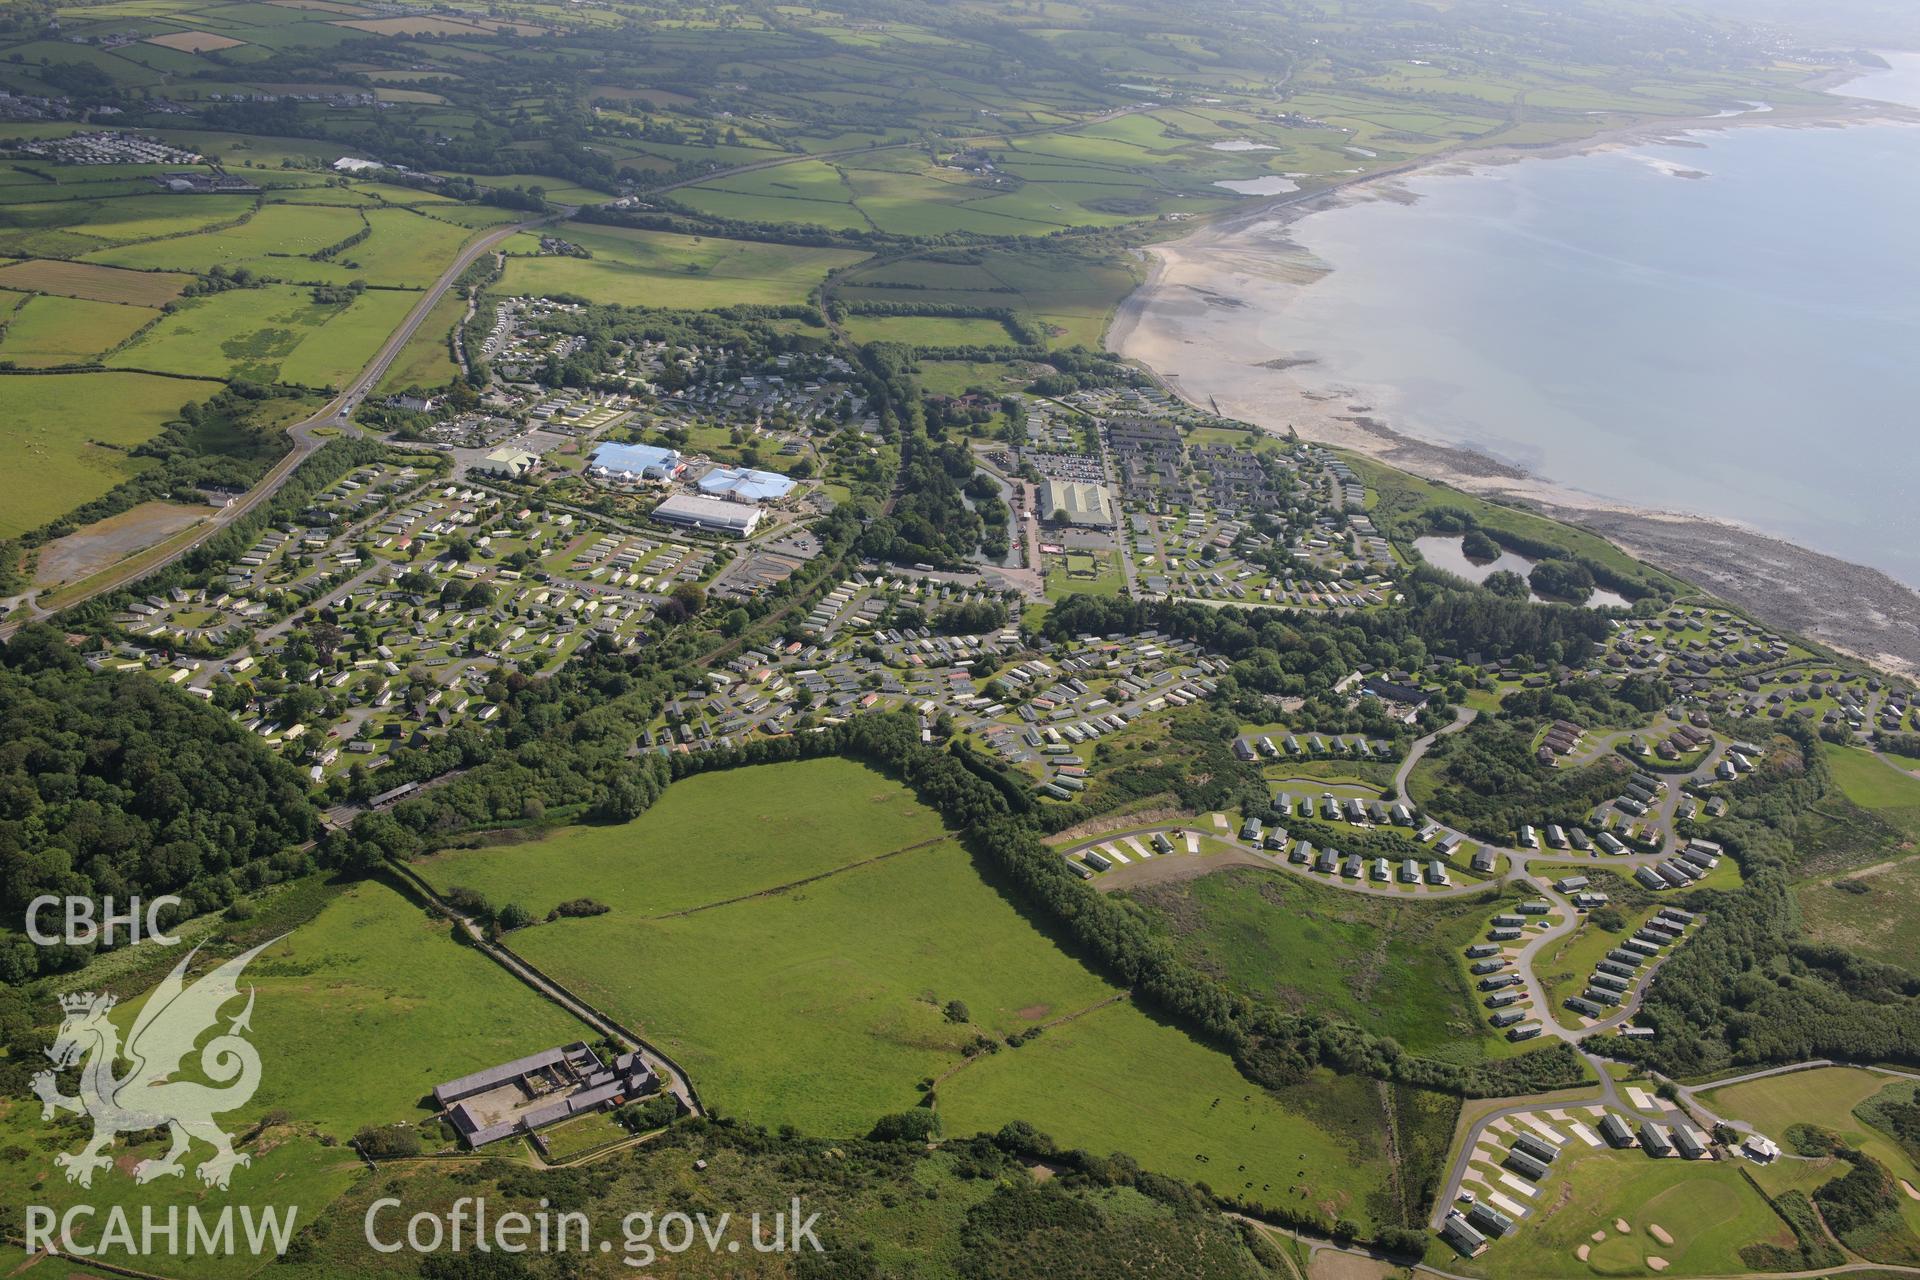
point(1726, 326)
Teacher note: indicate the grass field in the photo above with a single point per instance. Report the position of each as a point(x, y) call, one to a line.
point(274, 241)
point(52, 330)
point(1093, 573)
point(823, 1005)
point(84, 280)
point(426, 361)
point(404, 250)
point(930, 331)
point(1867, 850)
point(1070, 295)
point(785, 824)
point(1876, 923)
point(54, 431)
point(1384, 965)
point(657, 269)
point(273, 333)
point(370, 972)
point(1117, 1080)
point(1874, 784)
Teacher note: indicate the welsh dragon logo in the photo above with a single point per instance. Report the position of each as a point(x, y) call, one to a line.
point(146, 1097)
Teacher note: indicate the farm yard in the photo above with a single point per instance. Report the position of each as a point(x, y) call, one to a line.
point(358, 966)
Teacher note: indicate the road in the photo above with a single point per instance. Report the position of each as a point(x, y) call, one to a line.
point(1462, 717)
point(305, 436)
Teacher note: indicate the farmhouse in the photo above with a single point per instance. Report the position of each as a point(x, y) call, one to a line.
point(709, 515)
point(1077, 502)
point(540, 1089)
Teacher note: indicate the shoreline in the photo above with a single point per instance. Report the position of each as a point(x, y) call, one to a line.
point(1852, 608)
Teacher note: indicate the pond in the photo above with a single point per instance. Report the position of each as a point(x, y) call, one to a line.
point(1268, 186)
point(1446, 553)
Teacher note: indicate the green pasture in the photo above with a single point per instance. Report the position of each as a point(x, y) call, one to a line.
point(710, 838)
point(53, 430)
point(1118, 1080)
point(425, 361)
point(1873, 916)
point(277, 332)
point(52, 330)
point(929, 331)
point(822, 1006)
point(658, 269)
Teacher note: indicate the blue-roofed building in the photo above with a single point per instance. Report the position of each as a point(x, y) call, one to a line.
point(745, 484)
point(637, 462)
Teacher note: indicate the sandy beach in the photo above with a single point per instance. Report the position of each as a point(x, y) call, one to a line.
point(1194, 322)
